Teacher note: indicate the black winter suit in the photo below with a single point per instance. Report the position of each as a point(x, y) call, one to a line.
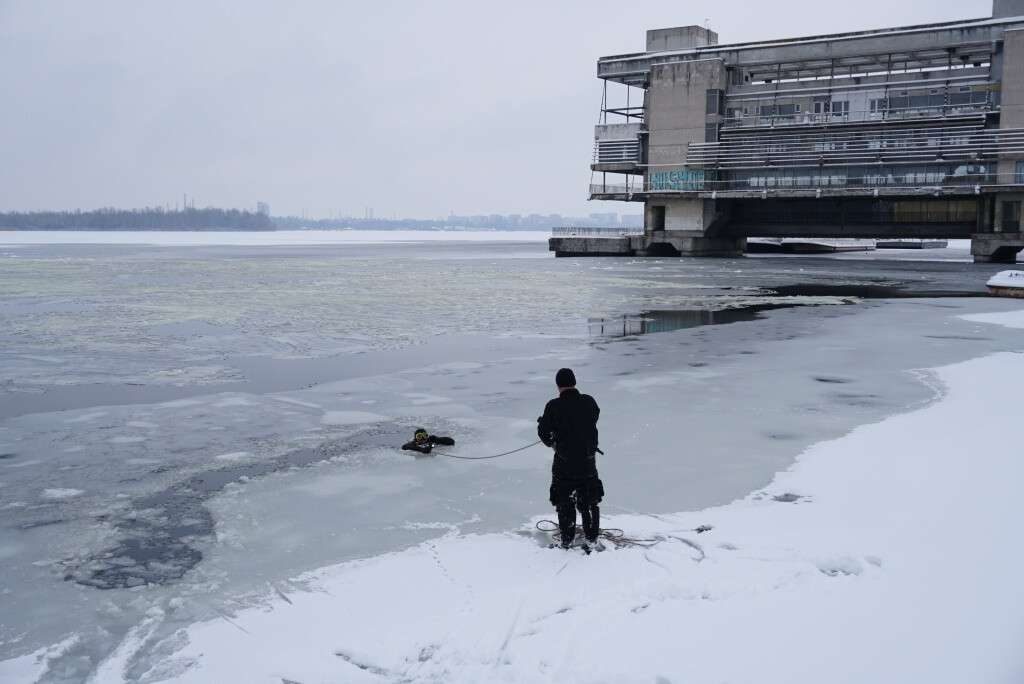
point(569, 424)
point(427, 445)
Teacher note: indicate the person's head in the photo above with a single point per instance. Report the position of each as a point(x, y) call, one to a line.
point(565, 379)
point(420, 435)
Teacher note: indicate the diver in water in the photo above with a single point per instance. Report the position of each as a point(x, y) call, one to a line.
point(569, 426)
point(423, 442)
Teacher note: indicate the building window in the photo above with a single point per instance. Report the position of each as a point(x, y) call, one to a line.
point(657, 217)
point(1011, 217)
point(835, 107)
point(715, 101)
point(1019, 175)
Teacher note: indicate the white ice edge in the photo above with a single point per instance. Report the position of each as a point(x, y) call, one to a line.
point(275, 238)
point(899, 562)
point(1009, 319)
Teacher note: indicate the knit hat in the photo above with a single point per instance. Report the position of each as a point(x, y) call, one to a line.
point(565, 378)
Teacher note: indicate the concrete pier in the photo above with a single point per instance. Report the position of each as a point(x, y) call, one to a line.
point(998, 248)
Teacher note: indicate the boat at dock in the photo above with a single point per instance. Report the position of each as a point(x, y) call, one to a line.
point(1007, 284)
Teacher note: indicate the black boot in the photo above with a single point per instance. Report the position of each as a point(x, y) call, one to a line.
point(567, 523)
point(591, 515)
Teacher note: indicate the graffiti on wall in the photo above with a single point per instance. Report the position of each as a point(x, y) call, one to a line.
point(681, 179)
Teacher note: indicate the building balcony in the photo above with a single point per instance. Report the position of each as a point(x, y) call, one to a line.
point(938, 145)
point(907, 181)
point(630, 191)
point(618, 147)
point(787, 116)
point(869, 181)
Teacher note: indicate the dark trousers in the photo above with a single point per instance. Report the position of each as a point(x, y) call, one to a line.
point(583, 493)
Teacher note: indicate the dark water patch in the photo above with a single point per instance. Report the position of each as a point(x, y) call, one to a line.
point(33, 524)
point(627, 327)
point(161, 534)
point(832, 380)
point(6, 457)
point(788, 497)
point(855, 399)
point(972, 338)
point(782, 436)
point(868, 291)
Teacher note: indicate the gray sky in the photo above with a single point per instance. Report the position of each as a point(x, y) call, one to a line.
point(413, 109)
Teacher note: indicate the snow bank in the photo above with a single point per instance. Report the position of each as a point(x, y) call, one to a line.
point(182, 238)
point(889, 555)
point(1009, 319)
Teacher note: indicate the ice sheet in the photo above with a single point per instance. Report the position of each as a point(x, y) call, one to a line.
point(850, 566)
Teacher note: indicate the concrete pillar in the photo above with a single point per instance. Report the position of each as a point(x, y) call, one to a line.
point(999, 241)
point(1011, 110)
point(1007, 8)
point(996, 248)
point(689, 228)
point(676, 219)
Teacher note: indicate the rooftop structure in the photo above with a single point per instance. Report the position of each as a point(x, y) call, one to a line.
point(906, 132)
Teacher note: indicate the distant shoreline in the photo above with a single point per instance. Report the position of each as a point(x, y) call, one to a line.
point(447, 229)
point(260, 238)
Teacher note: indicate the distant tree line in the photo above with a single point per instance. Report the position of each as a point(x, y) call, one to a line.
point(156, 218)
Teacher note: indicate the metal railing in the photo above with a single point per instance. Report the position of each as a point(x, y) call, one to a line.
point(616, 188)
point(596, 231)
point(616, 151)
point(856, 116)
point(934, 144)
point(918, 183)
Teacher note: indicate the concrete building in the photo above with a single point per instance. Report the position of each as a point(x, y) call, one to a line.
point(907, 132)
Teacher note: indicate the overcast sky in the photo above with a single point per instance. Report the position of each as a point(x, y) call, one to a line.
point(412, 108)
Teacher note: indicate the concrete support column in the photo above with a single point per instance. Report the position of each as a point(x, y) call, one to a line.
point(999, 248)
point(687, 227)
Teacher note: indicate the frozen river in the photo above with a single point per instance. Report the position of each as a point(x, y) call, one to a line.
point(184, 423)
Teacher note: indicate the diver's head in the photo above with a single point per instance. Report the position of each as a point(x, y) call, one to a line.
point(420, 435)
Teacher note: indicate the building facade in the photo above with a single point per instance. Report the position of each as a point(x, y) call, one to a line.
point(914, 132)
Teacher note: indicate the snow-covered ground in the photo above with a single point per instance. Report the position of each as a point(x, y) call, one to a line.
point(186, 238)
point(888, 555)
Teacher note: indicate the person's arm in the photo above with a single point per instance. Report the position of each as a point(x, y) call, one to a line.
point(413, 446)
point(545, 426)
point(443, 441)
point(597, 414)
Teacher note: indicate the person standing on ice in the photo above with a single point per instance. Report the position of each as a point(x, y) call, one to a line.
point(569, 426)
